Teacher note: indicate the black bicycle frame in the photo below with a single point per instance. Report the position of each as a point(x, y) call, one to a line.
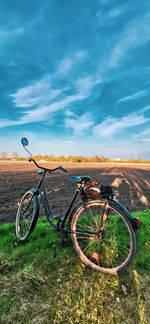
point(60, 226)
point(47, 206)
point(49, 212)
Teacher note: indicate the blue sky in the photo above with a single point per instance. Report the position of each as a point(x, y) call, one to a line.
point(75, 77)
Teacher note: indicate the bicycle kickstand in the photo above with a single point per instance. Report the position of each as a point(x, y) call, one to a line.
point(63, 238)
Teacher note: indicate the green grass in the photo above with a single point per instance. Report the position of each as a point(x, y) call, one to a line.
point(36, 288)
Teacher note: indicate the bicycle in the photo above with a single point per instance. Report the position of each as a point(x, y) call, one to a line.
point(102, 230)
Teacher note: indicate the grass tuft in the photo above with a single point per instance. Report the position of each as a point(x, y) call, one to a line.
point(37, 288)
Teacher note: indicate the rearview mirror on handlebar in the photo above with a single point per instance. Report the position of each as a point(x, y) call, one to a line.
point(24, 141)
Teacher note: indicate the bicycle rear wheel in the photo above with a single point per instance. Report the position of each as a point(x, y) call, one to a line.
point(104, 238)
point(27, 215)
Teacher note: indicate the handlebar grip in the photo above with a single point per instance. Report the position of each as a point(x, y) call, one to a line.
point(63, 169)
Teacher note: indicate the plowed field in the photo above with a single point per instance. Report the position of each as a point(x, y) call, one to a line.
point(132, 183)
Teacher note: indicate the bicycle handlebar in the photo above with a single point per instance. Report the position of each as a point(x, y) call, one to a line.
point(50, 170)
point(61, 168)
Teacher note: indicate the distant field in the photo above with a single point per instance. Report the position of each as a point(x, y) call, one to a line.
point(131, 181)
point(24, 165)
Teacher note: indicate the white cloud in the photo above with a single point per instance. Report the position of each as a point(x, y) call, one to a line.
point(7, 34)
point(143, 136)
point(38, 93)
point(114, 13)
point(135, 96)
point(80, 56)
point(144, 109)
point(80, 124)
point(111, 125)
point(5, 123)
point(65, 66)
point(45, 101)
point(84, 85)
point(69, 113)
point(111, 15)
point(136, 34)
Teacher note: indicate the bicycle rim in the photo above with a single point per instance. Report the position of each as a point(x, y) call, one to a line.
point(112, 246)
point(25, 216)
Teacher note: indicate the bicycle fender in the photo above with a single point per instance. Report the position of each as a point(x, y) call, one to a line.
point(36, 199)
point(125, 211)
point(79, 204)
point(117, 204)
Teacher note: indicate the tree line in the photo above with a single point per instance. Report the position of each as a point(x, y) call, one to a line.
point(71, 159)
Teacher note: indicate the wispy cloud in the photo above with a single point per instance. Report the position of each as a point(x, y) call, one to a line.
point(68, 63)
point(135, 96)
point(69, 113)
point(111, 126)
point(143, 136)
point(84, 85)
point(142, 110)
point(136, 34)
point(111, 14)
point(36, 94)
point(81, 124)
point(80, 56)
point(65, 66)
point(41, 101)
point(7, 33)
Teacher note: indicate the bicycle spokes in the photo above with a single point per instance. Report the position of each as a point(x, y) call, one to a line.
point(25, 215)
point(110, 246)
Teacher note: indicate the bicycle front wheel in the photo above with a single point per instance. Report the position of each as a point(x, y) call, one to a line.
point(27, 215)
point(104, 238)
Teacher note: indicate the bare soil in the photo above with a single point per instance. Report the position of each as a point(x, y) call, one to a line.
point(132, 183)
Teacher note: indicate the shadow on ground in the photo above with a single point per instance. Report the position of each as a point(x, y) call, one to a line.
point(132, 184)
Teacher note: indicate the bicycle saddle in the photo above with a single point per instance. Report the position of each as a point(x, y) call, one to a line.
point(79, 179)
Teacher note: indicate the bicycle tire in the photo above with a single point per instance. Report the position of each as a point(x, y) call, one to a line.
point(27, 215)
point(112, 249)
